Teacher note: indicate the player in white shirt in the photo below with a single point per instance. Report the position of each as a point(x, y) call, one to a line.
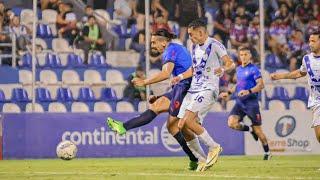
point(311, 67)
point(207, 54)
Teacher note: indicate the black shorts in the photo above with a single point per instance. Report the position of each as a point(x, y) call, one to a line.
point(250, 109)
point(176, 96)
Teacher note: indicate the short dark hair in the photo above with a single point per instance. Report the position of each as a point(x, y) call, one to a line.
point(89, 17)
point(164, 33)
point(316, 33)
point(244, 49)
point(88, 6)
point(197, 23)
point(140, 68)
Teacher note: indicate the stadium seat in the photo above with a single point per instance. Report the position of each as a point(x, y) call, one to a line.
point(115, 79)
point(301, 93)
point(297, 105)
point(276, 105)
point(61, 45)
point(2, 97)
point(124, 106)
point(43, 95)
point(97, 60)
point(49, 16)
point(41, 43)
point(142, 106)
point(52, 61)
point(11, 108)
point(79, 107)
point(26, 16)
point(64, 95)
point(102, 107)
point(86, 95)
point(19, 95)
point(38, 108)
point(280, 93)
point(70, 77)
point(57, 107)
point(48, 77)
point(26, 61)
point(109, 95)
point(25, 77)
point(74, 61)
point(102, 16)
point(230, 105)
point(216, 107)
point(93, 77)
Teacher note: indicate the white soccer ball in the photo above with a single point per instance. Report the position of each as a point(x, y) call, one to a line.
point(66, 150)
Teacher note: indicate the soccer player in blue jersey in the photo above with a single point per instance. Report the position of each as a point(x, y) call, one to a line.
point(249, 84)
point(176, 59)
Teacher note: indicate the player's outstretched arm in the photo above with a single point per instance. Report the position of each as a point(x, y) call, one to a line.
point(291, 75)
point(227, 67)
point(167, 69)
point(185, 75)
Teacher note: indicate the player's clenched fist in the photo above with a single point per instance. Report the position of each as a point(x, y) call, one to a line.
point(138, 82)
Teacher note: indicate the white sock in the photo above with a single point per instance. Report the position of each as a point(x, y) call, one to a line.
point(207, 140)
point(196, 149)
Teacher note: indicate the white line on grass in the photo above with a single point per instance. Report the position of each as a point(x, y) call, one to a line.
point(146, 174)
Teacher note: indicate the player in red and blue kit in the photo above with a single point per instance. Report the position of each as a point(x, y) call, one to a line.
point(175, 59)
point(249, 84)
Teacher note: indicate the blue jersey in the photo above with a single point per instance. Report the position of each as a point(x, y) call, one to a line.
point(178, 55)
point(246, 79)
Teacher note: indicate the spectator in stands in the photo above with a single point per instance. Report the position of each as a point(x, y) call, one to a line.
point(284, 14)
point(298, 48)
point(22, 34)
point(2, 15)
point(107, 33)
point(159, 16)
point(243, 14)
point(312, 26)
point(66, 22)
point(122, 12)
point(138, 42)
point(303, 13)
point(278, 33)
point(50, 4)
point(140, 13)
point(253, 33)
point(187, 11)
point(238, 34)
point(92, 38)
point(132, 92)
point(223, 22)
point(316, 11)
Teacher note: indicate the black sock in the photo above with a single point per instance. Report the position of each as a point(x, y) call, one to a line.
point(265, 148)
point(244, 127)
point(179, 137)
point(143, 119)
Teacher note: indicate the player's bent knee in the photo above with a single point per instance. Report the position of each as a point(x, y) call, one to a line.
point(232, 122)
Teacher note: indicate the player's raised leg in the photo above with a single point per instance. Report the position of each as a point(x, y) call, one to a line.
point(234, 123)
point(160, 105)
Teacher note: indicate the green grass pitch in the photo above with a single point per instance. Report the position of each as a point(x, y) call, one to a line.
point(228, 167)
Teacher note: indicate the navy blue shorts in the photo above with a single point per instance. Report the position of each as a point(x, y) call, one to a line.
point(250, 109)
point(176, 96)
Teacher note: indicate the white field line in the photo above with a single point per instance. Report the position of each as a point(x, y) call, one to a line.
point(34, 174)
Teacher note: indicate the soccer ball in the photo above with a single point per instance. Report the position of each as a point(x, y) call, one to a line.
point(66, 150)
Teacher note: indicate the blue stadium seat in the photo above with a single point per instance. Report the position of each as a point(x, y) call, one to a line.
point(26, 61)
point(64, 95)
point(109, 95)
point(280, 93)
point(74, 61)
point(97, 61)
point(43, 95)
point(86, 95)
point(2, 99)
point(20, 97)
point(272, 63)
point(301, 93)
point(53, 61)
point(44, 31)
